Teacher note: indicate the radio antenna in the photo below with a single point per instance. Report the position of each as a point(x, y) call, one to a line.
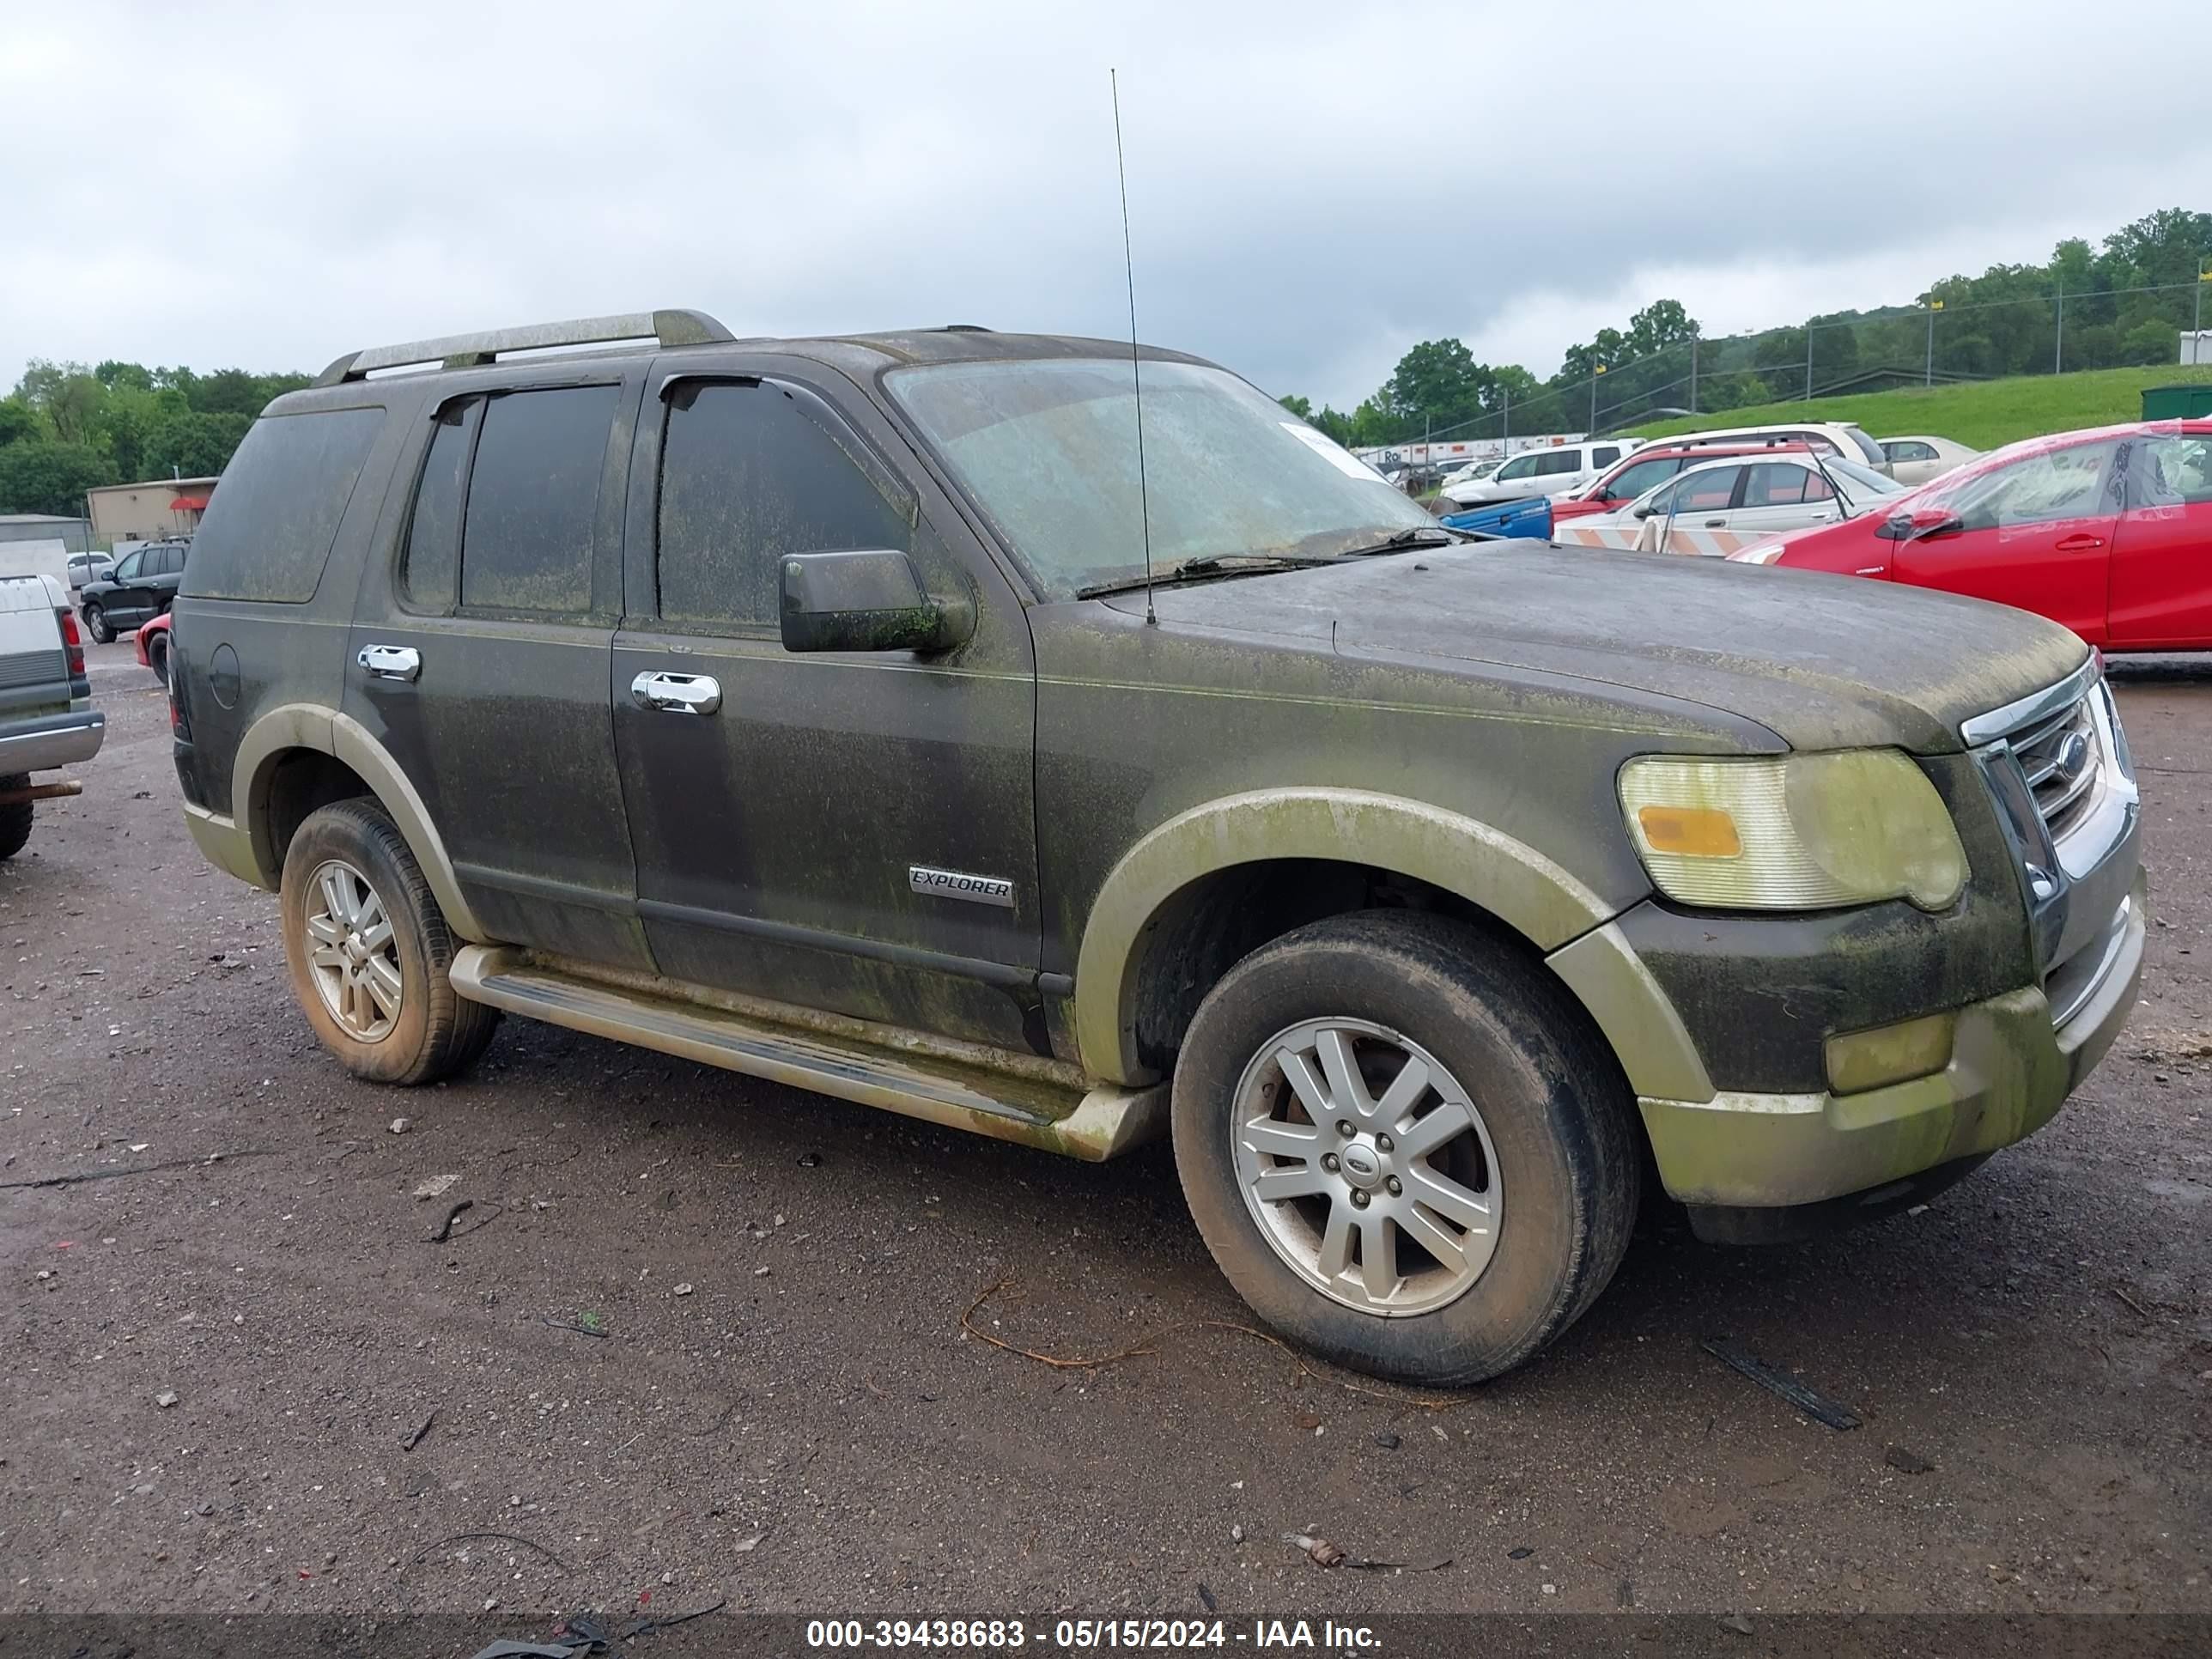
point(1136, 372)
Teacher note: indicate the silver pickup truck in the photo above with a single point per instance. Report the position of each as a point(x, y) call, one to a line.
point(46, 716)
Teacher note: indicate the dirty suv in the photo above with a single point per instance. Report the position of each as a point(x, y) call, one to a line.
point(877, 716)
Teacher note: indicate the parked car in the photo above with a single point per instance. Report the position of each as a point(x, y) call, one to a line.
point(2107, 532)
point(1474, 469)
point(1646, 469)
point(1758, 496)
point(87, 568)
point(142, 585)
point(152, 639)
point(1553, 470)
point(1844, 438)
point(1916, 460)
point(46, 716)
point(811, 709)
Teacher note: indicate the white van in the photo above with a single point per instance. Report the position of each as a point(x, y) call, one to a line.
point(1844, 438)
point(1550, 470)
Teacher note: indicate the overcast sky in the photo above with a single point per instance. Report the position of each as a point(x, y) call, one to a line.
point(1313, 188)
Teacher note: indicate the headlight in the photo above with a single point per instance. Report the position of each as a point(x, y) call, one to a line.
point(1794, 832)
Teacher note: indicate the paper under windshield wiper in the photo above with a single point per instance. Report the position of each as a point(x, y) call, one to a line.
point(1205, 564)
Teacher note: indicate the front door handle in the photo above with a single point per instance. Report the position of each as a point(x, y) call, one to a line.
point(678, 694)
point(1717, 524)
point(2081, 544)
point(390, 662)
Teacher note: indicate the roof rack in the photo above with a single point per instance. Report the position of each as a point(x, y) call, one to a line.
point(670, 328)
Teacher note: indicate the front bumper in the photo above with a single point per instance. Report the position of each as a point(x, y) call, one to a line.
point(36, 746)
point(2011, 1069)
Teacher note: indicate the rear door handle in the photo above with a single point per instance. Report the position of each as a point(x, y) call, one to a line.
point(1717, 524)
point(2081, 544)
point(390, 662)
point(678, 694)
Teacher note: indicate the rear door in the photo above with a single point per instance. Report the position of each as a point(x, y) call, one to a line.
point(2037, 533)
point(479, 656)
point(786, 835)
point(2162, 591)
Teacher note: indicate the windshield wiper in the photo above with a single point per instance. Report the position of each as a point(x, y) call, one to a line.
point(1205, 564)
point(1421, 536)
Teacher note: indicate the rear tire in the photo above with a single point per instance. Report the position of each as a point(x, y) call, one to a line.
point(370, 951)
point(96, 624)
point(1546, 1184)
point(15, 821)
point(157, 655)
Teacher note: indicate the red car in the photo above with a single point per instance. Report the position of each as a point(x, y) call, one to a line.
point(1653, 465)
point(153, 642)
point(2108, 531)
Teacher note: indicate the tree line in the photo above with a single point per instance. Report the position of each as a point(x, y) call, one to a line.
point(67, 429)
point(2122, 303)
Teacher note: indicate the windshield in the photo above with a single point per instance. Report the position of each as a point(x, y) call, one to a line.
point(1047, 449)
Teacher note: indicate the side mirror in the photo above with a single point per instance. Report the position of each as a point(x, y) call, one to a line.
point(1645, 512)
point(1928, 524)
point(866, 601)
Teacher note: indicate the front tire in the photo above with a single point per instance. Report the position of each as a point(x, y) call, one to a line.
point(370, 951)
point(97, 625)
point(15, 821)
point(1486, 1191)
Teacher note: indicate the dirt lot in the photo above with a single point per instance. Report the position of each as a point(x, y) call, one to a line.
point(699, 1336)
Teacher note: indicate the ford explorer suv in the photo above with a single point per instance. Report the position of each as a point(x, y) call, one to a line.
point(46, 716)
point(864, 714)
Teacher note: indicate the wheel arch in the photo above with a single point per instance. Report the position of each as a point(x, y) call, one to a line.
point(1498, 877)
point(275, 782)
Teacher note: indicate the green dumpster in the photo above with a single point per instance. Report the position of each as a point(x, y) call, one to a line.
point(2178, 402)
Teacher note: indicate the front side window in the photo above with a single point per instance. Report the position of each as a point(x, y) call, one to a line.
point(132, 565)
point(747, 475)
point(1909, 449)
point(2045, 488)
point(1709, 491)
point(1521, 466)
point(1775, 484)
point(1048, 451)
point(533, 499)
point(1634, 479)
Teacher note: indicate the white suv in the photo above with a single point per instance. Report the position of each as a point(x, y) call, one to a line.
point(1843, 438)
point(1549, 471)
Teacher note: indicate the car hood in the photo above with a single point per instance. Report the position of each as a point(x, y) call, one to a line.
point(1824, 662)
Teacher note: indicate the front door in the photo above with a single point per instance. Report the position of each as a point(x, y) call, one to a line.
point(125, 604)
point(2037, 534)
point(479, 650)
point(850, 832)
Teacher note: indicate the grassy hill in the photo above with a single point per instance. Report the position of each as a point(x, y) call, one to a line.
point(1983, 414)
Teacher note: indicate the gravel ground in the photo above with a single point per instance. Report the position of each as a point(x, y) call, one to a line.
point(701, 1336)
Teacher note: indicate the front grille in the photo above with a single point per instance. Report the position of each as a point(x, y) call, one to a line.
point(2062, 758)
point(21, 668)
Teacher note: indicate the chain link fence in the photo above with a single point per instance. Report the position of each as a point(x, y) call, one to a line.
point(1878, 351)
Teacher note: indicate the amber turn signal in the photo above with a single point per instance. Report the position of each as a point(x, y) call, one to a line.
point(1697, 832)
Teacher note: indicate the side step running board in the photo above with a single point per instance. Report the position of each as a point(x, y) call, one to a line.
point(1098, 1125)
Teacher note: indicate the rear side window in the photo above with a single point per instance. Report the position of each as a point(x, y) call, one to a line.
point(432, 572)
point(748, 475)
point(1554, 462)
point(1605, 455)
point(269, 530)
point(533, 498)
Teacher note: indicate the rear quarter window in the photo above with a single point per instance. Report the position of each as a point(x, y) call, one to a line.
point(269, 530)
